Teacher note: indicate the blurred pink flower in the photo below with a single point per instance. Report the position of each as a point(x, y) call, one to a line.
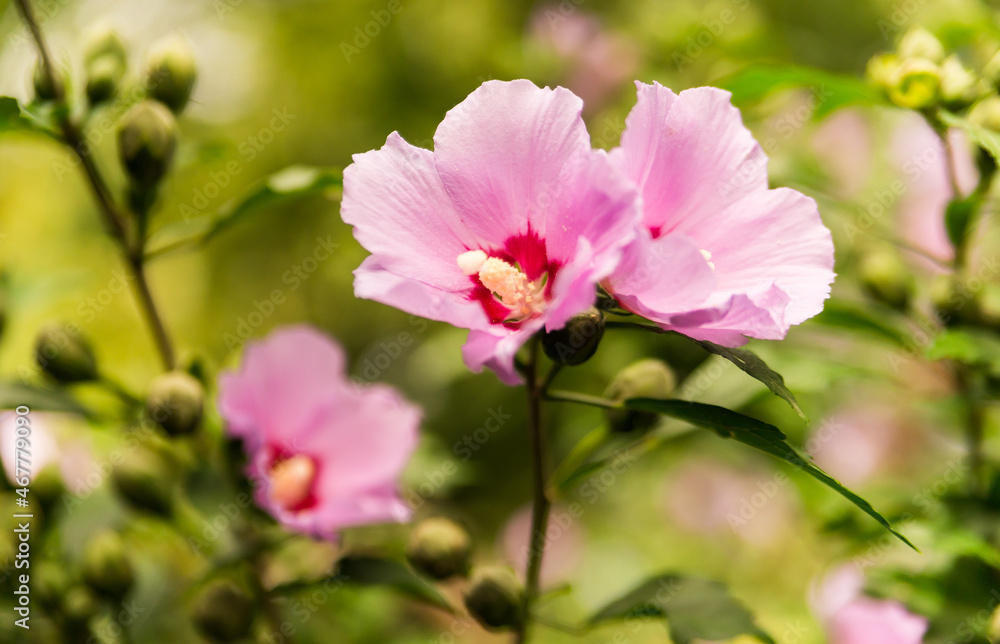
point(56, 440)
point(849, 617)
point(324, 454)
point(599, 62)
point(707, 497)
point(563, 547)
point(505, 228)
point(721, 257)
point(920, 157)
point(844, 146)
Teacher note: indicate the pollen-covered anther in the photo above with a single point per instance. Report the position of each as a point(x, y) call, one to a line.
point(292, 480)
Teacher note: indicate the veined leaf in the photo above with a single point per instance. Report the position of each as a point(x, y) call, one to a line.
point(695, 609)
point(756, 368)
point(986, 139)
point(758, 434)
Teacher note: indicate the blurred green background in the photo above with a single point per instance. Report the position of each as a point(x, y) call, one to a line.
point(300, 82)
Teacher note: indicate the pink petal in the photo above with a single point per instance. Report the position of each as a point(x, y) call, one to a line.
point(284, 382)
point(496, 349)
point(505, 154)
point(401, 213)
point(690, 154)
point(869, 621)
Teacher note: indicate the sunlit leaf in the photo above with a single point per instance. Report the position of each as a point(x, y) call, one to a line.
point(986, 139)
point(967, 345)
point(695, 609)
point(758, 434)
point(14, 118)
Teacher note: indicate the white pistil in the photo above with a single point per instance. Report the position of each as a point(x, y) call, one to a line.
point(708, 258)
point(471, 261)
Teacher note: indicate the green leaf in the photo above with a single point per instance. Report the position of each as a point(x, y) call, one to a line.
point(370, 571)
point(757, 434)
point(694, 608)
point(14, 118)
point(848, 316)
point(967, 345)
point(758, 369)
point(831, 91)
point(291, 183)
point(13, 394)
point(986, 139)
point(957, 217)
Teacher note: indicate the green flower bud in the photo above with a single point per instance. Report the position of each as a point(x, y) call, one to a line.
point(988, 306)
point(986, 113)
point(172, 72)
point(959, 87)
point(102, 41)
point(78, 607)
point(440, 548)
point(922, 44)
point(48, 486)
point(147, 141)
point(886, 278)
point(881, 70)
point(65, 355)
point(44, 89)
point(106, 567)
point(103, 77)
point(576, 342)
point(494, 597)
point(51, 581)
point(175, 401)
point(105, 60)
point(916, 84)
point(952, 304)
point(145, 481)
point(222, 612)
point(649, 378)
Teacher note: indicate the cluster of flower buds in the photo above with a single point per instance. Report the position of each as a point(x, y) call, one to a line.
point(441, 549)
point(105, 62)
point(920, 75)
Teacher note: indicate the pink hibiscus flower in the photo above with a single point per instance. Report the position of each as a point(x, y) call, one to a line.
point(504, 229)
point(852, 618)
point(721, 257)
point(324, 454)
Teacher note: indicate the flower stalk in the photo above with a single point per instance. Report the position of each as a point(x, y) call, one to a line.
point(115, 219)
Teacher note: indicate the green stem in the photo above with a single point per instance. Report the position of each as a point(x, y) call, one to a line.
point(582, 399)
point(540, 504)
point(115, 219)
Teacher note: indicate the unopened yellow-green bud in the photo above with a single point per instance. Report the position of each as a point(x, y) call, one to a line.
point(78, 607)
point(145, 481)
point(920, 43)
point(103, 76)
point(222, 611)
point(648, 378)
point(886, 278)
point(988, 306)
point(576, 342)
point(64, 354)
point(103, 41)
point(986, 113)
point(952, 302)
point(881, 70)
point(47, 486)
point(494, 597)
point(959, 87)
point(440, 548)
point(172, 72)
point(106, 567)
point(916, 84)
point(175, 402)
point(147, 141)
